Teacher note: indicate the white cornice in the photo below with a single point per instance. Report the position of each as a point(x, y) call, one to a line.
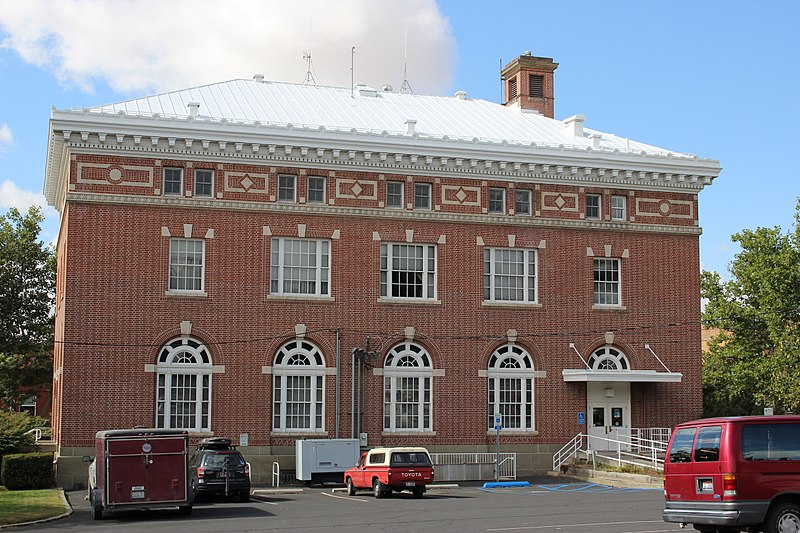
point(365, 150)
point(375, 213)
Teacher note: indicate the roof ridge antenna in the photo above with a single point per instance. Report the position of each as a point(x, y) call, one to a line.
point(405, 88)
point(352, 64)
point(307, 56)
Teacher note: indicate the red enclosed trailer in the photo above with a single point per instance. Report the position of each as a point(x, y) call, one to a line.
point(141, 468)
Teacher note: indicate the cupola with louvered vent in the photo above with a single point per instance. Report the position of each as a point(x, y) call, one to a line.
point(528, 83)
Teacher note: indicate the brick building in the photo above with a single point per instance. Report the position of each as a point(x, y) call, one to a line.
point(268, 261)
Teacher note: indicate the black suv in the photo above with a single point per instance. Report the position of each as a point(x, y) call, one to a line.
point(219, 468)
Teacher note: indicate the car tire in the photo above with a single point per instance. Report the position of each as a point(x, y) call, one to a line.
point(377, 488)
point(351, 489)
point(783, 517)
point(185, 510)
point(244, 496)
point(417, 492)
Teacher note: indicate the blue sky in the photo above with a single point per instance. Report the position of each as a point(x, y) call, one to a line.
point(715, 78)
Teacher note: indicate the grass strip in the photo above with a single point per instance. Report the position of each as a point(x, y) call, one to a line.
point(18, 506)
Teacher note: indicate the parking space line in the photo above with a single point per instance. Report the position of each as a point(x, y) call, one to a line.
point(348, 498)
point(562, 526)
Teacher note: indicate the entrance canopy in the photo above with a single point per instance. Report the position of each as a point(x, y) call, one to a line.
point(631, 376)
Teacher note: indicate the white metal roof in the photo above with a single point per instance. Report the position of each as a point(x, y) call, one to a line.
point(339, 109)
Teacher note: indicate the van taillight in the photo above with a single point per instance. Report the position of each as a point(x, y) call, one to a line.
point(200, 471)
point(247, 470)
point(729, 485)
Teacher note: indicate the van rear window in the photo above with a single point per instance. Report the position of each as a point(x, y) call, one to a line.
point(707, 446)
point(681, 450)
point(771, 442)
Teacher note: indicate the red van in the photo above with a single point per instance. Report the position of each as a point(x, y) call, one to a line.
point(735, 474)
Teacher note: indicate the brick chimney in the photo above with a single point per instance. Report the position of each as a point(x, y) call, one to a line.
point(528, 82)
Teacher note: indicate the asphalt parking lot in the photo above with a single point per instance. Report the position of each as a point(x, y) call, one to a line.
point(551, 506)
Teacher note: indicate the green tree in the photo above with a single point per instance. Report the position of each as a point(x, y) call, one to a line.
point(27, 285)
point(755, 360)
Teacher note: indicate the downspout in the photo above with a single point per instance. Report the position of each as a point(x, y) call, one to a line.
point(338, 377)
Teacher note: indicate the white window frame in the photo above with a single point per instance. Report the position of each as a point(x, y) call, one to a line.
point(618, 208)
point(288, 264)
point(497, 200)
point(295, 360)
point(395, 265)
point(497, 263)
point(395, 204)
point(210, 172)
point(28, 405)
point(283, 188)
point(176, 266)
point(323, 191)
point(525, 201)
point(171, 192)
point(594, 212)
point(607, 291)
point(511, 370)
point(423, 196)
point(609, 359)
point(184, 359)
point(408, 364)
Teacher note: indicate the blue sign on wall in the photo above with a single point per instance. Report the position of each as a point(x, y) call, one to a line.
point(581, 418)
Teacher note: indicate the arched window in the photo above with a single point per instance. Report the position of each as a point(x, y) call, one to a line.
point(407, 389)
point(608, 358)
point(511, 388)
point(184, 385)
point(298, 388)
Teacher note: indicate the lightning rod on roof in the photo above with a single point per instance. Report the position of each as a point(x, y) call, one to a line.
point(352, 61)
point(405, 87)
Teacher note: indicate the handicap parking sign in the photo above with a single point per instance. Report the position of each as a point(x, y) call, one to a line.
point(581, 418)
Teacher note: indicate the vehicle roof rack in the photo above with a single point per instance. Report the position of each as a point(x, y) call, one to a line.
point(215, 443)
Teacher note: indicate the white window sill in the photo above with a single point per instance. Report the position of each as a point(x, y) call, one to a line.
point(406, 301)
point(525, 305)
point(293, 433)
point(599, 307)
point(407, 433)
point(304, 297)
point(513, 433)
point(186, 294)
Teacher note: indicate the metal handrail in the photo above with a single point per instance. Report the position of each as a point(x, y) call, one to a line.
point(38, 432)
point(276, 474)
point(653, 450)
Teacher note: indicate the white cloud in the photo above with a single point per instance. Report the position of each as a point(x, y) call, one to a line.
point(153, 45)
point(12, 196)
point(5, 134)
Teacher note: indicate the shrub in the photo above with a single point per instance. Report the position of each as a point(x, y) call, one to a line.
point(12, 431)
point(27, 471)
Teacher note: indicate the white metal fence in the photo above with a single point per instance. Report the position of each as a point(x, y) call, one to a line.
point(474, 466)
point(631, 449)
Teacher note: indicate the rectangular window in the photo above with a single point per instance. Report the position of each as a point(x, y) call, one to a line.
point(203, 183)
point(316, 190)
point(394, 194)
point(536, 86)
point(593, 206)
point(186, 264)
point(422, 196)
point(173, 181)
point(408, 271)
point(497, 200)
point(618, 208)
point(707, 446)
point(287, 188)
point(606, 282)
point(300, 266)
point(509, 275)
point(771, 442)
point(522, 206)
point(682, 442)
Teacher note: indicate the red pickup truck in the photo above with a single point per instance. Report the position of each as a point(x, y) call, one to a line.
point(385, 470)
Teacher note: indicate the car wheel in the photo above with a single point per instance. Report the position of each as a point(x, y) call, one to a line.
point(185, 510)
point(417, 492)
point(377, 488)
point(351, 490)
point(244, 496)
point(783, 518)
